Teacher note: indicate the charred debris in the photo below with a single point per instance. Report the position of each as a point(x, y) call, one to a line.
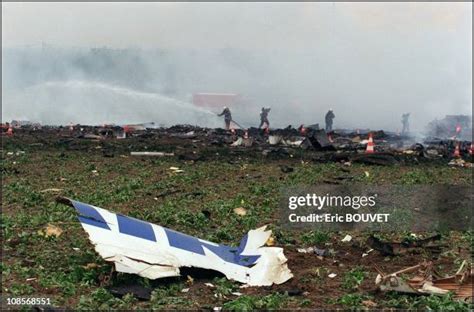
point(195, 143)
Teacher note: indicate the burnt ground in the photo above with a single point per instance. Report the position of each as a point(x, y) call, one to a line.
point(38, 166)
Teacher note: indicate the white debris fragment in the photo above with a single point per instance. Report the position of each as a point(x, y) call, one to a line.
point(346, 239)
point(151, 154)
point(184, 290)
point(332, 275)
point(209, 285)
point(292, 143)
point(459, 162)
point(306, 250)
point(274, 139)
point(176, 170)
point(428, 288)
point(367, 253)
point(152, 251)
point(238, 142)
point(54, 190)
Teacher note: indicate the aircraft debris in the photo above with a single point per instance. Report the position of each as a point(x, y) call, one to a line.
point(238, 142)
point(138, 291)
point(274, 139)
point(151, 154)
point(54, 190)
point(427, 281)
point(152, 251)
point(175, 170)
point(394, 248)
point(319, 140)
point(319, 252)
point(459, 162)
point(346, 238)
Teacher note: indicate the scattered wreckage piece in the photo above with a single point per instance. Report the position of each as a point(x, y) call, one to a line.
point(247, 142)
point(238, 142)
point(161, 154)
point(427, 282)
point(319, 140)
point(138, 291)
point(152, 251)
point(315, 250)
point(274, 139)
point(278, 139)
point(293, 142)
point(394, 248)
point(174, 170)
point(393, 281)
point(91, 136)
point(187, 135)
point(459, 162)
point(381, 159)
point(461, 283)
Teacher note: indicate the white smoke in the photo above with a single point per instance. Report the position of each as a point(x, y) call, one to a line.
point(88, 102)
point(369, 62)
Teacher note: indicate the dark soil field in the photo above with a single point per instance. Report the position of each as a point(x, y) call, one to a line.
point(39, 166)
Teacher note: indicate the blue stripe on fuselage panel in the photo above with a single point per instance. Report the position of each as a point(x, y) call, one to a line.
point(192, 244)
point(137, 228)
point(89, 215)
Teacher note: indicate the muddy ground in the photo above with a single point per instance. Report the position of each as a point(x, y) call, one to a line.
point(38, 166)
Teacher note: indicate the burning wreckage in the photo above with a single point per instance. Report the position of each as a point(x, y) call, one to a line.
point(362, 146)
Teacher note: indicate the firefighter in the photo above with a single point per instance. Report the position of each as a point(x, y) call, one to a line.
point(405, 123)
point(227, 117)
point(264, 117)
point(329, 118)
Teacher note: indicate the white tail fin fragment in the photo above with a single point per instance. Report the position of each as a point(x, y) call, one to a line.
point(152, 251)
